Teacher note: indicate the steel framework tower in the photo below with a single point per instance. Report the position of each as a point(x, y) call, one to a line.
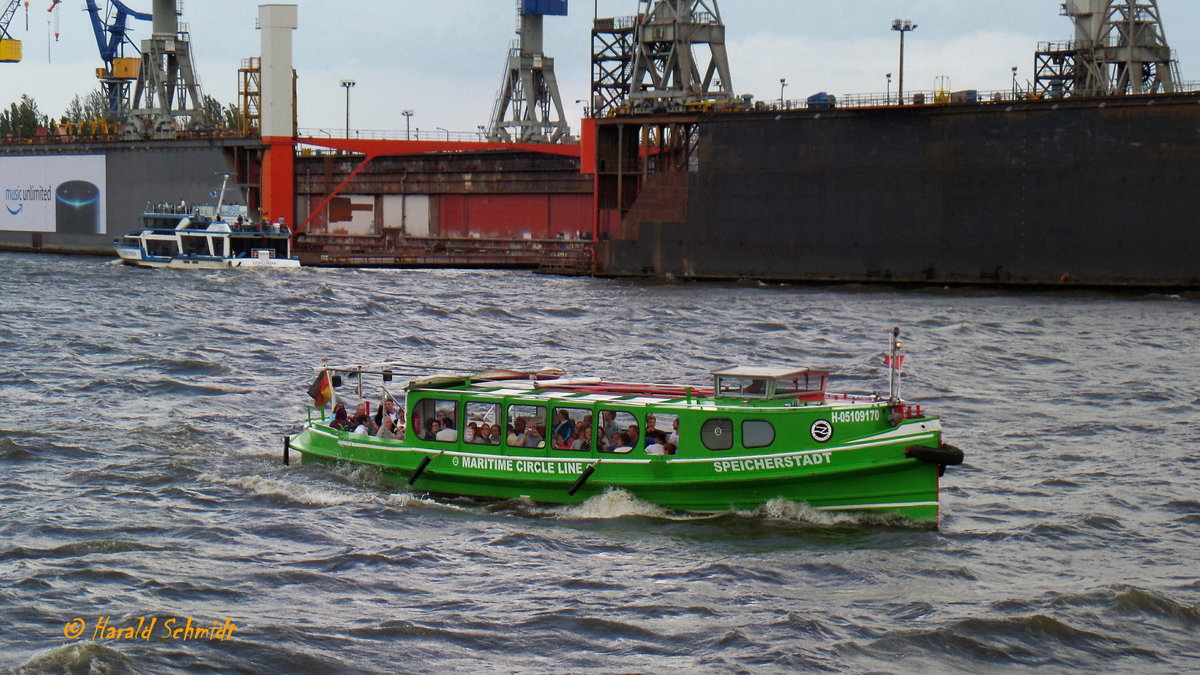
point(665, 70)
point(1119, 48)
point(528, 107)
point(167, 95)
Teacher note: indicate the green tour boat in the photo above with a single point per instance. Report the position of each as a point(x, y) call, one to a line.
point(752, 435)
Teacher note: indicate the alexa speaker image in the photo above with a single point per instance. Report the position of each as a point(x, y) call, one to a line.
point(77, 208)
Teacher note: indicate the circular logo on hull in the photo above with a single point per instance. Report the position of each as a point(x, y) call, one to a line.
point(821, 431)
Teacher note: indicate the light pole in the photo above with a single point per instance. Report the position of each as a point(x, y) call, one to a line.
point(902, 26)
point(348, 84)
point(445, 130)
point(782, 84)
point(1014, 69)
point(407, 124)
point(889, 88)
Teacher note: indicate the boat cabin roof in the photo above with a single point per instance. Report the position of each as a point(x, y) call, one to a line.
point(764, 382)
point(742, 382)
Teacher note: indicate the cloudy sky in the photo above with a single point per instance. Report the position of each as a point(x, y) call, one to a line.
point(444, 58)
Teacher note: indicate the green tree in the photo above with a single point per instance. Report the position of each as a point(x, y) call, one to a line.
point(22, 119)
point(233, 117)
point(212, 112)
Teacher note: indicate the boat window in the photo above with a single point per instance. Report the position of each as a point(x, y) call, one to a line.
point(730, 385)
point(433, 420)
point(526, 426)
point(757, 433)
point(717, 434)
point(481, 424)
point(162, 248)
point(571, 429)
point(193, 245)
point(806, 383)
point(619, 431)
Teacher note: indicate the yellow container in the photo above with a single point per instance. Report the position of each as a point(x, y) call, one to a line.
point(10, 51)
point(126, 68)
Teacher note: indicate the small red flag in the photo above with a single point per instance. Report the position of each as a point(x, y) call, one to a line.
point(897, 364)
point(321, 390)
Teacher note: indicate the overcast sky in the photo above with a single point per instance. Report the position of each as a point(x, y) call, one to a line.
point(444, 59)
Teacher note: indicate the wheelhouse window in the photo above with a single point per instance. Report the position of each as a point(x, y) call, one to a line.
point(571, 429)
point(619, 431)
point(757, 433)
point(732, 385)
point(808, 382)
point(481, 423)
point(526, 426)
point(717, 434)
point(434, 420)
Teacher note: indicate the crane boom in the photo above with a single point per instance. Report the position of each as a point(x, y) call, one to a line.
point(118, 33)
point(7, 17)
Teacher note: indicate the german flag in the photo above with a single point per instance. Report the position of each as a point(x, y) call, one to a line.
point(321, 390)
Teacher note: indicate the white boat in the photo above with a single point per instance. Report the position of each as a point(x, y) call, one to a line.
point(201, 238)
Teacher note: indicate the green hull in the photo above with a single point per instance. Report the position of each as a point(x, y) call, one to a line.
point(867, 472)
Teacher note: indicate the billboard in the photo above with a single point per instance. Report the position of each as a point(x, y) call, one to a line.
point(64, 194)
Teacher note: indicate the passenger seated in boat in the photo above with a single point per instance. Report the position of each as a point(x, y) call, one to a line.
point(483, 434)
point(516, 436)
point(620, 444)
point(446, 421)
point(535, 436)
point(432, 431)
point(651, 421)
point(494, 439)
point(446, 434)
point(390, 429)
point(363, 423)
point(341, 421)
point(673, 437)
point(583, 438)
point(471, 434)
point(655, 442)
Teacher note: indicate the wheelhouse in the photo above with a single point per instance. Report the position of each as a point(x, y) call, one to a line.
point(805, 384)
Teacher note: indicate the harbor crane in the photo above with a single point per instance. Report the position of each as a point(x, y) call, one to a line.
point(10, 47)
point(665, 70)
point(1119, 48)
point(118, 71)
point(528, 107)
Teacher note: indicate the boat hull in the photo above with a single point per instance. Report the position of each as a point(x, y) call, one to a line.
point(872, 474)
point(135, 256)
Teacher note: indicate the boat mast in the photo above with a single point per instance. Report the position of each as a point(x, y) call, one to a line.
point(221, 199)
point(893, 365)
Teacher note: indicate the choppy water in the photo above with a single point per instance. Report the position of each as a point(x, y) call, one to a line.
point(140, 478)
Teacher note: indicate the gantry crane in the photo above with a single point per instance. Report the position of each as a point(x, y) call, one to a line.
point(528, 107)
point(1119, 48)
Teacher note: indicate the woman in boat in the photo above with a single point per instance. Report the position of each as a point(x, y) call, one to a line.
point(341, 421)
point(583, 437)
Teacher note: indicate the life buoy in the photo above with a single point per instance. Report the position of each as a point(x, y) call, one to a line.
point(943, 455)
